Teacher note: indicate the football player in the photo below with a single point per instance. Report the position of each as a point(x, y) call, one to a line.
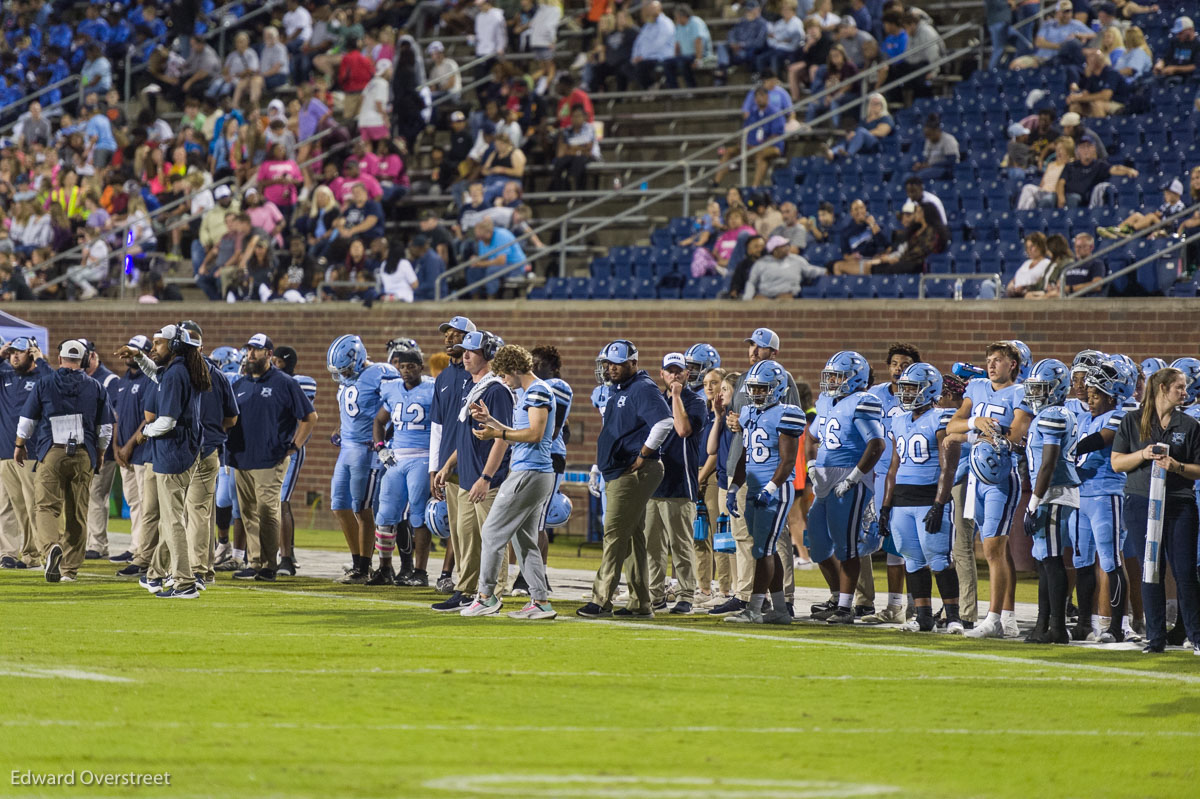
point(285, 359)
point(229, 555)
point(844, 442)
point(405, 404)
point(1055, 500)
point(448, 391)
point(923, 528)
point(1098, 528)
point(700, 359)
point(899, 357)
point(1085, 361)
point(993, 411)
point(359, 381)
point(771, 431)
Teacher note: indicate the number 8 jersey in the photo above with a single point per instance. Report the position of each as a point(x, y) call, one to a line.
point(761, 430)
point(358, 402)
point(842, 427)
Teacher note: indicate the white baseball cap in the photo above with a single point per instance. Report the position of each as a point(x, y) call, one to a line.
point(674, 359)
point(72, 348)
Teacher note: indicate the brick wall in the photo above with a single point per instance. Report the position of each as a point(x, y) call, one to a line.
point(810, 332)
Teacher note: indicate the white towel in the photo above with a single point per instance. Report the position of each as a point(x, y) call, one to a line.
point(476, 392)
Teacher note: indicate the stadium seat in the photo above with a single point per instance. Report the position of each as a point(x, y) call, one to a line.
point(908, 286)
point(579, 288)
point(557, 288)
point(861, 287)
point(600, 267)
point(939, 289)
point(693, 290)
point(886, 286)
point(602, 289)
point(643, 271)
point(645, 290)
point(537, 293)
point(712, 286)
point(939, 263)
point(669, 292)
point(661, 237)
point(1184, 288)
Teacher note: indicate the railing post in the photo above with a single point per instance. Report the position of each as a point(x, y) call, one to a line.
point(128, 84)
point(562, 250)
point(687, 188)
point(745, 144)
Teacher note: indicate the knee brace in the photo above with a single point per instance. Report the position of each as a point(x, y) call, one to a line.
point(947, 583)
point(920, 583)
point(894, 560)
point(224, 517)
point(403, 537)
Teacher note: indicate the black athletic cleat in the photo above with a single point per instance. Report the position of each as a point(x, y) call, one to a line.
point(417, 578)
point(1057, 633)
point(593, 611)
point(841, 616)
point(133, 571)
point(1072, 613)
point(682, 608)
point(382, 576)
point(826, 613)
point(8, 562)
point(828, 604)
point(247, 573)
point(733, 605)
point(92, 554)
point(863, 610)
point(53, 561)
point(626, 613)
point(1177, 634)
point(264, 576)
point(1080, 632)
point(287, 567)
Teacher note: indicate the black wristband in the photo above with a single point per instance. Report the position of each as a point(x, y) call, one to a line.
point(487, 477)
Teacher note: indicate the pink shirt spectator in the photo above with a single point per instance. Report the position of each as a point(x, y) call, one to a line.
point(728, 240)
point(341, 187)
point(267, 217)
point(279, 193)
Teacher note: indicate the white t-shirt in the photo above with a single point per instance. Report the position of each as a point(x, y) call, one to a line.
point(1030, 273)
point(491, 32)
point(376, 92)
point(298, 20)
point(399, 284)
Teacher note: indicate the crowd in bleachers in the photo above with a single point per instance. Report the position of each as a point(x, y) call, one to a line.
point(285, 166)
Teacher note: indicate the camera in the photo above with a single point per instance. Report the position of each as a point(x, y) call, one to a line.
point(1160, 449)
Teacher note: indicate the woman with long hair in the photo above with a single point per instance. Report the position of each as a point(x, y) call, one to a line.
point(837, 68)
point(318, 227)
point(711, 481)
point(1163, 442)
point(924, 236)
point(1137, 58)
point(1033, 270)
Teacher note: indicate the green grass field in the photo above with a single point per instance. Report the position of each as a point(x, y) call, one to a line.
point(306, 688)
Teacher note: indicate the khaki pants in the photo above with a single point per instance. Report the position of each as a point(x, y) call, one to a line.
point(18, 484)
point(468, 536)
point(669, 533)
point(864, 592)
point(963, 554)
point(101, 487)
point(61, 487)
point(199, 503)
point(172, 503)
point(351, 103)
point(147, 554)
point(625, 533)
point(743, 580)
point(10, 529)
point(258, 493)
point(131, 485)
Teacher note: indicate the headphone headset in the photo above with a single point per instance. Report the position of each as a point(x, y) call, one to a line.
point(175, 344)
point(489, 344)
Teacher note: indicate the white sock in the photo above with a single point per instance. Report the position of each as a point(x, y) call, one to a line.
point(1125, 625)
point(778, 602)
point(1100, 623)
point(1007, 615)
point(844, 600)
point(756, 602)
point(239, 554)
point(896, 600)
point(992, 618)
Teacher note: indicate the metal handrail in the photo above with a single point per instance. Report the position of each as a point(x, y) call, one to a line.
point(1141, 235)
point(456, 71)
point(1138, 264)
point(659, 195)
point(29, 98)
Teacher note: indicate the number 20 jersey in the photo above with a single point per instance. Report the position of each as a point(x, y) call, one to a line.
point(917, 445)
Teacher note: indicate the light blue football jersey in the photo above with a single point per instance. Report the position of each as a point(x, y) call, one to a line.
point(534, 457)
point(844, 426)
point(1054, 425)
point(917, 445)
point(1096, 475)
point(358, 402)
point(761, 431)
point(410, 409)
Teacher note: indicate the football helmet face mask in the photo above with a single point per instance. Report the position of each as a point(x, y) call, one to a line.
point(766, 384)
point(919, 386)
point(845, 373)
point(1047, 384)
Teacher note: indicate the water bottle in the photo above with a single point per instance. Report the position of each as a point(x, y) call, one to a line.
point(700, 527)
point(958, 290)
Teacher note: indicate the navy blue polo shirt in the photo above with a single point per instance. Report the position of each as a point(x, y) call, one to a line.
point(175, 452)
point(681, 457)
point(473, 453)
point(130, 402)
point(269, 408)
point(216, 405)
point(65, 392)
point(15, 388)
point(633, 408)
point(107, 379)
point(449, 389)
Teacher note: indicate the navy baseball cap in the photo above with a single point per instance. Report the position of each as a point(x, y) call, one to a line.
point(764, 337)
point(459, 323)
point(260, 341)
point(139, 342)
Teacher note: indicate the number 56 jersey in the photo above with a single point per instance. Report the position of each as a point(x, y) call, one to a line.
point(761, 430)
point(358, 402)
point(844, 426)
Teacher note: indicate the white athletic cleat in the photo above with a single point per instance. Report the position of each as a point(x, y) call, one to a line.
point(892, 614)
point(1010, 628)
point(534, 611)
point(986, 629)
point(746, 616)
point(954, 628)
point(910, 626)
point(482, 607)
point(222, 553)
point(776, 617)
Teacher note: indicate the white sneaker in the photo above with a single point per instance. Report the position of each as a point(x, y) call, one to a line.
point(533, 611)
point(746, 616)
point(954, 628)
point(803, 564)
point(222, 553)
point(1131, 635)
point(892, 614)
point(1100, 637)
point(702, 597)
point(986, 629)
point(777, 617)
point(482, 607)
point(1009, 628)
point(67, 578)
point(717, 600)
point(910, 626)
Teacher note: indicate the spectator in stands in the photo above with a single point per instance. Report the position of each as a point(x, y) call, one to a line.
point(1060, 39)
point(876, 124)
point(373, 117)
point(577, 147)
point(1137, 59)
point(1101, 90)
point(201, 67)
point(1018, 155)
point(498, 252)
point(320, 226)
point(856, 42)
point(925, 46)
point(33, 128)
point(924, 235)
point(355, 71)
point(398, 279)
point(361, 220)
point(503, 165)
point(358, 270)
point(654, 46)
point(824, 224)
point(693, 44)
point(441, 240)
point(241, 65)
point(1076, 273)
point(1032, 272)
point(790, 228)
point(543, 37)
point(861, 239)
point(736, 225)
point(1044, 193)
point(1072, 125)
point(753, 248)
point(1084, 180)
point(779, 273)
point(275, 64)
point(785, 37)
point(428, 266)
point(101, 142)
point(263, 214)
point(814, 53)
point(837, 69)
point(96, 74)
point(612, 53)
point(1111, 44)
point(762, 125)
point(445, 77)
point(491, 34)
point(940, 154)
point(297, 26)
point(570, 95)
point(1183, 51)
point(1172, 204)
point(999, 15)
point(747, 40)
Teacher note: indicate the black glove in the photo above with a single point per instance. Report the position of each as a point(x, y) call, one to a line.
point(885, 521)
point(1032, 522)
point(933, 518)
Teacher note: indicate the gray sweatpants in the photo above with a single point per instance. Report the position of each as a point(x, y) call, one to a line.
point(515, 515)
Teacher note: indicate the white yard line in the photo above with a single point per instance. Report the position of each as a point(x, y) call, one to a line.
point(34, 672)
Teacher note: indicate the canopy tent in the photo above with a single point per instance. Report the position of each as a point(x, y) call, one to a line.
point(11, 327)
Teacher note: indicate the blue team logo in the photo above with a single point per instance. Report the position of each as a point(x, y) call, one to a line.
point(1177, 438)
point(266, 392)
point(621, 402)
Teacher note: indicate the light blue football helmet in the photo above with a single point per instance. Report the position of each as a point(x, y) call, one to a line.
point(1047, 384)
point(559, 511)
point(1026, 362)
point(1152, 365)
point(845, 373)
point(1191, 372)
point(700, 358)
point(990, 463)
point(437, 518)
point(919, 385)
point(346, 359)
point(770, 380)
point(1114, 378)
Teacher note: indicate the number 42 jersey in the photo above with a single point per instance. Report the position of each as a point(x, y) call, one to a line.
point(409, 408)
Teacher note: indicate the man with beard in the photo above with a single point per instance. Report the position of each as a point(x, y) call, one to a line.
point(70, 414)
point(22, 367)
point(448, 391)
point(275, 421)
point(132, 389)
point(102, 480)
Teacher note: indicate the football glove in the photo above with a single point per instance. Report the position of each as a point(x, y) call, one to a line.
point(731, 502)
point(765, 497)
point(594, 481)
point(387, 457)
point(845, 486)
point(885, 521)
point(933, 518)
